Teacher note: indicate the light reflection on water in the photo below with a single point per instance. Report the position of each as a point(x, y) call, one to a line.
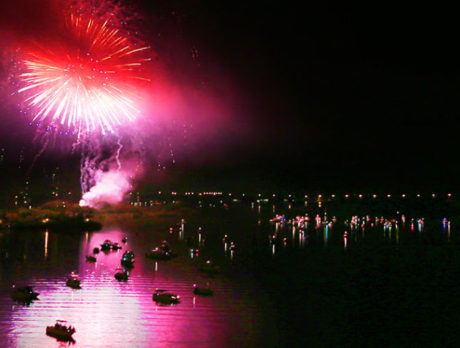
point(106, 312)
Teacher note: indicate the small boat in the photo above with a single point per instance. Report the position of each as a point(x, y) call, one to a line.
point(127, 259)
point(162, 297)
point(202, 291)
point(121, 276)
point(90, 259)
point(278, 218)
point(124, 240)
point(61, 331)
point(24, 294)
point(96, 251)
point(165, 247)
point(116, 246)
point(209, 268)
point(107, 245)
point(73, 281)
point(160, 254)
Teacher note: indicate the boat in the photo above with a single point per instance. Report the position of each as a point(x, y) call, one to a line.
point(24, 294)
point(124, 240)
point(61, 331)
point(107, 245)
point(165, 247)
point(96, 251)
point(127, 259)
point(121, 276)
point(116, 246)
point(90, 259)
point(160, 254)
point(278, 218)
point(162, 297)
point(202, 291)
point(73, 281)
point(209, 268)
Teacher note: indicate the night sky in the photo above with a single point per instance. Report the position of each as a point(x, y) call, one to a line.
point(348, 97)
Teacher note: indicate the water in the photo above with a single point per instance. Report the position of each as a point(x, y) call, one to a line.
point(281, 286)
point(108, 313)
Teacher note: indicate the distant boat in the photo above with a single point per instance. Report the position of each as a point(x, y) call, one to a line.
point(96, 251)
point(161, 253)
point(160, 296)
point(278, 218)
point(24, 294)
point(209, 268)
point(73, 281)
point(116, 246)
point(127, 259)
point(90, 259)
point(61, 331)
point(124, 240)
point(121, 276)
point(165, 247)
point(107, 245)
point(202, 291)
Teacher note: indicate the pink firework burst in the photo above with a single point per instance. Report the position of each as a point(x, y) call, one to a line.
point(89, 80)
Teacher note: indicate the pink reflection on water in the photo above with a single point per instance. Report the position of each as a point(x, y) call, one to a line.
point(109, 261)
point(106, 312)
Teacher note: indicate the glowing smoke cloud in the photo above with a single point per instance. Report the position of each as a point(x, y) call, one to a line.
point(110, 188)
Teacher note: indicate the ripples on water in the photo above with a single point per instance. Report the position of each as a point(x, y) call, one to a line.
point(313, 286)
point(108, 313)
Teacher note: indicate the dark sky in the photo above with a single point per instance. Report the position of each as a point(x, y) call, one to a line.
point(357, 95)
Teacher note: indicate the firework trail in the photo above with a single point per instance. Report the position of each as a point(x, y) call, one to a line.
point(120, 146)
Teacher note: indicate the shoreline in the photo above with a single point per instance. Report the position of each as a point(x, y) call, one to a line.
point(71, 217)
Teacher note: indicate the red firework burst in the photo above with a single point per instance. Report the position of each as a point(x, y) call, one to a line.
point(88, 82)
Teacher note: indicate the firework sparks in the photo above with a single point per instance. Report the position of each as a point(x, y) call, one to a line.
point(89, 83)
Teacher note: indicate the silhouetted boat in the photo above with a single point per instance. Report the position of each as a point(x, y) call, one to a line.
point(90, 259)
point(73, 281)
point(161, 296)
point(116, 246)
point(124, 240)
point(202, 291)
point(61, 331)
point(96, 251)
point(165, 247)
point(127, 259)
point(209, 268)
point(107, 245)
point(24, 294)
point(121, 276)
point(160, 254)
point(278, 218)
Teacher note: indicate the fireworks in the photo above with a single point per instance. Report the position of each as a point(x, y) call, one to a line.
point(88, 81)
